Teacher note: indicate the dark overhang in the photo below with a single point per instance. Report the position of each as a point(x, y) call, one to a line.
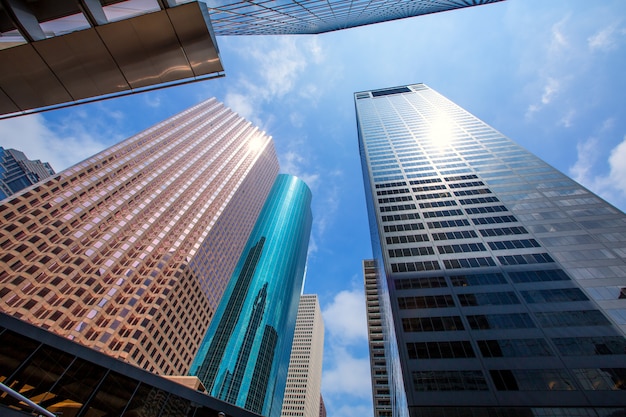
point(135, 390)
point(169, 46)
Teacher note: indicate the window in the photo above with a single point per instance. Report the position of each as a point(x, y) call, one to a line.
point(477, 279)
point(429, 301)
point(468, 263)
point(554, 295)
point(513, 348)
point(413, 283)
point(488, 298)
point(500, 321)
point(572, 318)
point(432, 324)
point(440, 350)
point(588, 346)
point(449, 381)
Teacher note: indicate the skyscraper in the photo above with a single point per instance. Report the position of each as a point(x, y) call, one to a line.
point(18, 172)
point(304, 379)
point(129, 251)
point(240, 17)
point(378, 360)
point(244, 356)
point(501, 280)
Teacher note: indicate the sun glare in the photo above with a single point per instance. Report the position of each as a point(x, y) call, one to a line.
point(256, 144)
point(441, 132)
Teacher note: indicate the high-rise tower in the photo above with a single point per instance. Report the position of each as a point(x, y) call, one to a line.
point(129, 251)
point(501, 280)
point(244, 356)
point(18, 172)
point(245, 17)
point(304, 379)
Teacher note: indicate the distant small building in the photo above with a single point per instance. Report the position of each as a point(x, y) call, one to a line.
point(304, 378)
point(18, 172)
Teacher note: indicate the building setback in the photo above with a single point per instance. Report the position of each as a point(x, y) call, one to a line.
point(244, 356)
point(501, 280)
point(130, 251)
point(18, 172)
point(304, 378)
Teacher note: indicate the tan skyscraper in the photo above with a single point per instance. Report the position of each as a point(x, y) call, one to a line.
point(378, 361)
point(129, 251)
point(304, 378)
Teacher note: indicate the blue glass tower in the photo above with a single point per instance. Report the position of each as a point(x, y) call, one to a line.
point(244, 356)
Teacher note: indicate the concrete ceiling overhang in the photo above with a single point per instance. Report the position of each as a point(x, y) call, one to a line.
point(173, 45)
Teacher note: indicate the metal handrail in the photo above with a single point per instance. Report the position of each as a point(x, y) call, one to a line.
point(36, 407)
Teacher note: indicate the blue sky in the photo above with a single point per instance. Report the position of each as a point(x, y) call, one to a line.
point(548, 74)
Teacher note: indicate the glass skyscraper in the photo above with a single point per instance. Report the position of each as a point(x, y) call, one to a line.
point(501, 281)
point(18, 172)
point(130, 251)
point(262, 17)
point(244, 356)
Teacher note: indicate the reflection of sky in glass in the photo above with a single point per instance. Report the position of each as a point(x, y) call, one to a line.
point(64, 25)
point(130, 8)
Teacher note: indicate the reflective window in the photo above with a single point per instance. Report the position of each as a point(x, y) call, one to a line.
point(449, 381)
point(440, 350)
point(587, 346)
point(511, 348)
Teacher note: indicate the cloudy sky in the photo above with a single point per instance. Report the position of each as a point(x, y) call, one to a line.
point(548, 74)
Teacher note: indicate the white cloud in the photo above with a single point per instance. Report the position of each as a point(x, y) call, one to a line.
point(349, 377)
point(276, 66)
point(345, 317)
point(604, 39)
point(62, 145)
point(293, 163)
point(551, 88)
point(587, 157)
point(612, 184)
point(617, 162)
point(568, 118)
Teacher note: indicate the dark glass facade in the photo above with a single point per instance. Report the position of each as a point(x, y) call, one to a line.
point(499, 277)
point(74, 381)
point(18, 172)
point(244, 356)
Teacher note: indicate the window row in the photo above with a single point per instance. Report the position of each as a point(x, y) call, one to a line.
point(464, 234)
point(406, 239)
point(461, 248)
point(494, 220)
point(487, 209)
point(514, 244)
point(415, 266)
point(398, 253)
point(435, 204)
point(399, 217)
point(399, 207)
point(442, 213)
point(403, 227)
point(428, 301)
point(468, 263)
point(532, 258)
point(479, 200)
point(440, 350)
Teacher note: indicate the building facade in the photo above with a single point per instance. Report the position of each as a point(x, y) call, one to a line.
point(304, 378)
point(239, 17)
point(501, 280)
point(18, 172)
point(244, 356)
point(130, 251)
point(375, 337)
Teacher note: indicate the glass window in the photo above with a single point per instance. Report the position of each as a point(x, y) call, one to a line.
point(112, 397)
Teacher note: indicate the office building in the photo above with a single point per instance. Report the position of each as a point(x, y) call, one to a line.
point(257, 17)
point(322, 407)
point(304, 378)
point(59, 52)
point(18, 172)
point(244, 356)
point(130, 251)
point(501, 280)
point(44, 374)
point(378, 359)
